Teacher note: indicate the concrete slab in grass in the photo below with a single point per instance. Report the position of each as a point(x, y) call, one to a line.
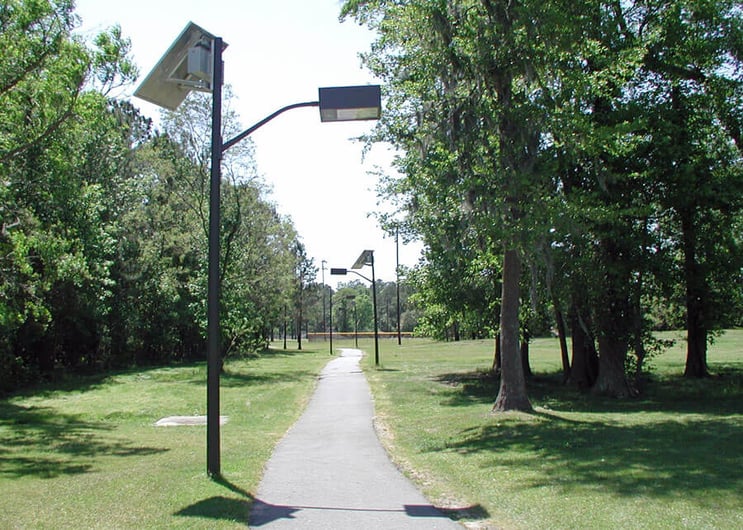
point(175, 421)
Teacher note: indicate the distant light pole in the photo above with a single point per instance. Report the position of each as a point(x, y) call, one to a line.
point(366, 258)
point(324, 323)
point(397, 281)
point(331, 320)
point(194, 62)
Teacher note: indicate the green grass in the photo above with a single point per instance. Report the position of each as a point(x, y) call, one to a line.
point(87, 455)
point(669, 459)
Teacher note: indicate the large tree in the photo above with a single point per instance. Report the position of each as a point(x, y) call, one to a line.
point(695, 108)
point(103, 222)
point(515, 117)
point(56, 212)
point(466, 107)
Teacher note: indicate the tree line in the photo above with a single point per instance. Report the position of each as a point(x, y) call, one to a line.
point(104, 218)
point(583, 156)
point(318, 308)
point(569, 166)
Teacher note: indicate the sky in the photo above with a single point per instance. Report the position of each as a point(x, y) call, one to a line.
point(280, 52)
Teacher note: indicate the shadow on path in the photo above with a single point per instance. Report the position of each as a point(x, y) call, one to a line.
point(263, 513)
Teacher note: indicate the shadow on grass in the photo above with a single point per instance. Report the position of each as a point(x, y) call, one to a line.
point(41, 442)
point(273, 351)
point(664, 459)
point(467, 388)
point(679, 438)
point(717, 395)
point(220, 506)
point(236, 375)
point(236, 379)
point(475, 512)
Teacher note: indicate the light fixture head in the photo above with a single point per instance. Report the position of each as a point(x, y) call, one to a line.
point(350, 103)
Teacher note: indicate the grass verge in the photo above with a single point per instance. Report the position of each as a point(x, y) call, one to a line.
point(669, 459)
point(89, 456)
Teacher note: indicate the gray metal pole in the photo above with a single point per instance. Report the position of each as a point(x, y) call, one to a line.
point(397, 281)
point(324, 315)
point(213, 333)
point(376, 326)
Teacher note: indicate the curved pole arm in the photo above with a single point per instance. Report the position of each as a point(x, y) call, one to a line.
point(247, 132)
point(361, 275)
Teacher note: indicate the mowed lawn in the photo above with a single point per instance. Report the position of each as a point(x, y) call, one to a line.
point(89, 456)
point(672, 458)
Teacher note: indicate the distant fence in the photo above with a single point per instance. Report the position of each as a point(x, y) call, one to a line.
point(361, 335)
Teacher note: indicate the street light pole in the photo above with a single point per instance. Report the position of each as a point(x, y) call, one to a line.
point(376, 322)
point(397, 282)
point(366, 258)
point(213, 334)
point(324, 315)
point(183, 68)
point(331, 320)
point(355, 325)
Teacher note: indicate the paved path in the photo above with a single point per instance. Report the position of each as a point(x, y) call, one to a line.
point(331, 472)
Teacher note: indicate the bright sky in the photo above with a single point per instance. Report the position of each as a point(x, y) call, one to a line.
point(279, 53)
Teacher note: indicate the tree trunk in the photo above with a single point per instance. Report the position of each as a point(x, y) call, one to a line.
point(525, 355)
point(285, 326)
point(612, 381)
point(613, 318)
point(637, 333)
point(512, 394)
point(696, 329)
point(585, 359)
point(696, 351)
point(560, 321)
point(496, 368)
point(613, 346)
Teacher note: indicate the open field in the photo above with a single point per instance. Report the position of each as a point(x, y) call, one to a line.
point(670, 459)
point(87, 454)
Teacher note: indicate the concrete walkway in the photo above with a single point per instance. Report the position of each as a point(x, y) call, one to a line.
point(330, 470)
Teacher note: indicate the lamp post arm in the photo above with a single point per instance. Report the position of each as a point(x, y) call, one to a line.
point(361, 276)
point(247, 132)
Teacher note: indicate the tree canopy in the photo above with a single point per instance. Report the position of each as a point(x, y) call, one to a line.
point(595, 144)
point(103, 218)
point(574, 166)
